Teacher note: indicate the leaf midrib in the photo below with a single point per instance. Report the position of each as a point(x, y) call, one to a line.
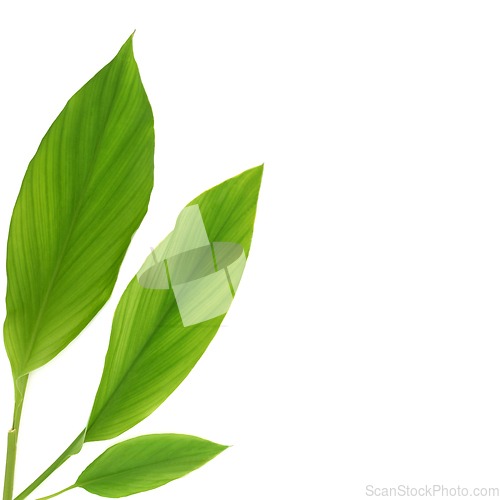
point(70, 232)
point(135, 360)
point(125, 471)
point(138, 355)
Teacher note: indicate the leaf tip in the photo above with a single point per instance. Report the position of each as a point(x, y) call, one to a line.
point(127, 47)
point(258, 172)
point(223, 447)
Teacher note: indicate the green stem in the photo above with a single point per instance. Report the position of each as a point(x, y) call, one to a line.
point(73, 449)
point(58, 493)
point(10, 464)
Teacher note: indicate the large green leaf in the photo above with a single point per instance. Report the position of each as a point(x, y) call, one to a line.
point(144, 463)
point(153, 346)
point(83, 196)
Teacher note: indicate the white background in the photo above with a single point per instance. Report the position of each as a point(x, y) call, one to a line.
point(364, 344)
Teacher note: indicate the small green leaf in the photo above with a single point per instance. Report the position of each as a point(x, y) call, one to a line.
point(146, 462)
point(84, 195)
point(164, 323)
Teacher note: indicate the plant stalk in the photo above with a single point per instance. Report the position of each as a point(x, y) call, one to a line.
point(72, 449)
point(58, 493)
point(13, 434)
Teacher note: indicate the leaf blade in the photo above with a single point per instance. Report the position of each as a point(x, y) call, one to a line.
point(83, 196)
point(145, 463)
point(151, 351)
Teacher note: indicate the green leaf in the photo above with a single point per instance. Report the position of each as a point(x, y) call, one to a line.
point(144, 463)
point(84, 195)
point(158, 336)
